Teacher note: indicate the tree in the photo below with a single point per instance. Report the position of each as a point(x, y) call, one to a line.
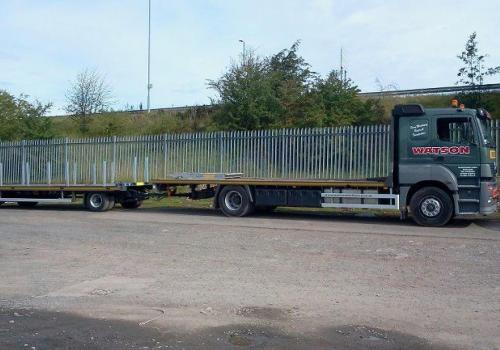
point(293, 85)
point(245, 95)
point(22, 119)
point(473, 71)
point(340, 99)
point(89, 94)
point(281, 91)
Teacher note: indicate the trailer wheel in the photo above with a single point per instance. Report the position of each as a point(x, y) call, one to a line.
point(131, 204)
point(27, 204)
point(98, 201)
point(235, 201)
point(431, 206)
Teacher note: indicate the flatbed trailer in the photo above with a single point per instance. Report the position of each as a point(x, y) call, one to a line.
point(443, 166)
point(95, 197)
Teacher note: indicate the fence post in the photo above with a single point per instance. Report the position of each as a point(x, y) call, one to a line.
point(164, 156)
point(134, 170)
point(1, 174)
point(23, 162)
point(104, 172)
point(497, 141)
point(28, 174)
point(146, 169)
point(221, 150)
point(66, 163)
point(94, 174)
point(113, 163)
point(49, 173)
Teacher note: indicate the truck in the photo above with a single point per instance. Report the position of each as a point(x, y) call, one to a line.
point(442, 165)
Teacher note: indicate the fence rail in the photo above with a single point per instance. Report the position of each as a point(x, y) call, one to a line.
point(335, 153)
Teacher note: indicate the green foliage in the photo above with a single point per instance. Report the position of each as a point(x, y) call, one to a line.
point(128, 123)
point(248, 99)
point(21, 119)
point(491, 99)
point(282, 91)
point(473, 72)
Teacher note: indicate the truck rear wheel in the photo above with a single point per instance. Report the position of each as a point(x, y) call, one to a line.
point(99, 201)
point(431, 206)
point(235, 201)
point(27, 204)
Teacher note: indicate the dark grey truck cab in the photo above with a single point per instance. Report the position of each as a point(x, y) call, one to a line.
point(444, 163)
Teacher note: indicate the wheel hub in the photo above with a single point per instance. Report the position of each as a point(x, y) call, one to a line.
point(431, 207)
point(96, 200)
point(233, 200)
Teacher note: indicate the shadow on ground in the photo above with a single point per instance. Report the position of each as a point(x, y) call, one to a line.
point(40, 330)
point(369, 218)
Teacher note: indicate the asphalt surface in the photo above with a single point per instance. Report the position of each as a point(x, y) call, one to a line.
point(192, 279)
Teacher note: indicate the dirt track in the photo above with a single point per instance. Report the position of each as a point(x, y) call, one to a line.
point(193, 279)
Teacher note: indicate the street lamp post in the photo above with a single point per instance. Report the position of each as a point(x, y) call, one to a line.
point(149, 58)
point(244, 47)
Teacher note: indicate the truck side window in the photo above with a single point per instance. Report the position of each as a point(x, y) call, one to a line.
point(455, 130)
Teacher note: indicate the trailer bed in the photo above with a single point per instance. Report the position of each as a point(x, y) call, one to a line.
point(61, 187)
point(274, 182)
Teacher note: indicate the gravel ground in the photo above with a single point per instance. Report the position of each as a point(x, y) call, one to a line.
point(190, 278)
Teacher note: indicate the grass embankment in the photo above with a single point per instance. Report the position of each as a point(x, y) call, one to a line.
point(200, 119)
point(130, 124)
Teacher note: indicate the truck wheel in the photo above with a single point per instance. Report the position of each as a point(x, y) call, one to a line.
point(131, 204)
point(431, 206)
point(27, 204)
point(98, 201)
point(112, 202)
point(235, 201)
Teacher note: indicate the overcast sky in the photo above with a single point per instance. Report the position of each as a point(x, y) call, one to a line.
point(411, 43)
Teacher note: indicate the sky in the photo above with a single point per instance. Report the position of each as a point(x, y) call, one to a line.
point(44, 44)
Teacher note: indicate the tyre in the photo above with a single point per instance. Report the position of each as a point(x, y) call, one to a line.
point(431, 206)
point(131, 204)
point(112, 202)
point(99, 201)
point(235, 201)
point(27, 204)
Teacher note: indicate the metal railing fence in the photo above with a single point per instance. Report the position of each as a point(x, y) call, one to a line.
point(355, 152)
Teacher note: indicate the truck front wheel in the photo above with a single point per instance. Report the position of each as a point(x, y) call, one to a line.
point(235, 201)
point(431, 206)
point(99, 201)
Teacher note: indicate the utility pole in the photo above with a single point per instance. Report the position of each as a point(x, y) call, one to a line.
point(149, 58)
point(342, 65)
point(244, 48)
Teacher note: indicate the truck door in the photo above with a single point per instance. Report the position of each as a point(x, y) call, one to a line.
point(460, 152)
point(458, 147)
